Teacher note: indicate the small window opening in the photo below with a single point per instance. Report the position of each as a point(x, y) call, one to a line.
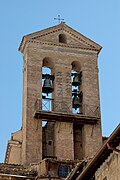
point(49, 142)
point(62, 38)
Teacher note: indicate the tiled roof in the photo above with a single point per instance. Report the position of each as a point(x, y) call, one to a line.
point(14, 169)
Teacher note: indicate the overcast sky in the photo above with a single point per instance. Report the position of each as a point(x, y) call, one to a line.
point(97, 20)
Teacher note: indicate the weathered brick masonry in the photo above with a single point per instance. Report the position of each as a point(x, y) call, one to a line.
point(61, 49)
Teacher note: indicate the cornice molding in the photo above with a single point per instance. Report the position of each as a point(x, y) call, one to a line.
point(60, 45)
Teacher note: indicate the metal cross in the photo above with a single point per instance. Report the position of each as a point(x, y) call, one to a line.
point(59, 19)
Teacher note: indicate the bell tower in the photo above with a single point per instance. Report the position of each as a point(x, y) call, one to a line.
point(61, 104)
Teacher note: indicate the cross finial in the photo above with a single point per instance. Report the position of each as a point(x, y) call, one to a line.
point(59, 19)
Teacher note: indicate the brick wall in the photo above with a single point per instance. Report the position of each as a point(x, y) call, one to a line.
point(32, 128)
point(61, 59)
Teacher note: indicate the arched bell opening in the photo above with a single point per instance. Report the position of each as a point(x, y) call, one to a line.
point(47, 105)
point(47, 84)
point(77, 94)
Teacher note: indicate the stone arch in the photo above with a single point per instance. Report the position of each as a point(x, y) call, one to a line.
point(48, 62)
point(76, 66)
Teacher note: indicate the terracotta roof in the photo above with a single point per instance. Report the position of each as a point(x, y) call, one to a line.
point(13, 169)
point(75, 172)
point(101, 156)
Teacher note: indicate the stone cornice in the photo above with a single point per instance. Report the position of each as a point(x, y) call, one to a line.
point(57, 45)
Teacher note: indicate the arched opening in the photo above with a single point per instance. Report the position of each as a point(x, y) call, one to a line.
point(47, 84)
point(47, 62)
point(76, 66)
point(46, 71)
point(62, 38)
point(47, 105)
point(77, 94)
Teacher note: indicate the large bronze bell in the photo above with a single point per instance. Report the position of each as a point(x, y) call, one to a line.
point(47, 85)
point(77, 99)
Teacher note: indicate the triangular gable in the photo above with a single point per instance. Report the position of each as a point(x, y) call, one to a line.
point(51, 35)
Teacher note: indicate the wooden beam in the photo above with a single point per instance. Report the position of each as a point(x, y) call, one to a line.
point(64, 117)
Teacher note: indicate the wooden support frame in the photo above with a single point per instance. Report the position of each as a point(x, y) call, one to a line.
point(64, 117)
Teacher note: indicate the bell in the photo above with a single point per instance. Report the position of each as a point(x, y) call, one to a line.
point(76, 102)
point(47, 86)
point(76, 81)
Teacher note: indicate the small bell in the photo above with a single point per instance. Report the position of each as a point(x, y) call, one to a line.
point(77, 99)
point(76, 102)
point(76, 81)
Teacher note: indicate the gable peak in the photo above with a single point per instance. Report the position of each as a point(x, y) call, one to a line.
point(63, 32)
